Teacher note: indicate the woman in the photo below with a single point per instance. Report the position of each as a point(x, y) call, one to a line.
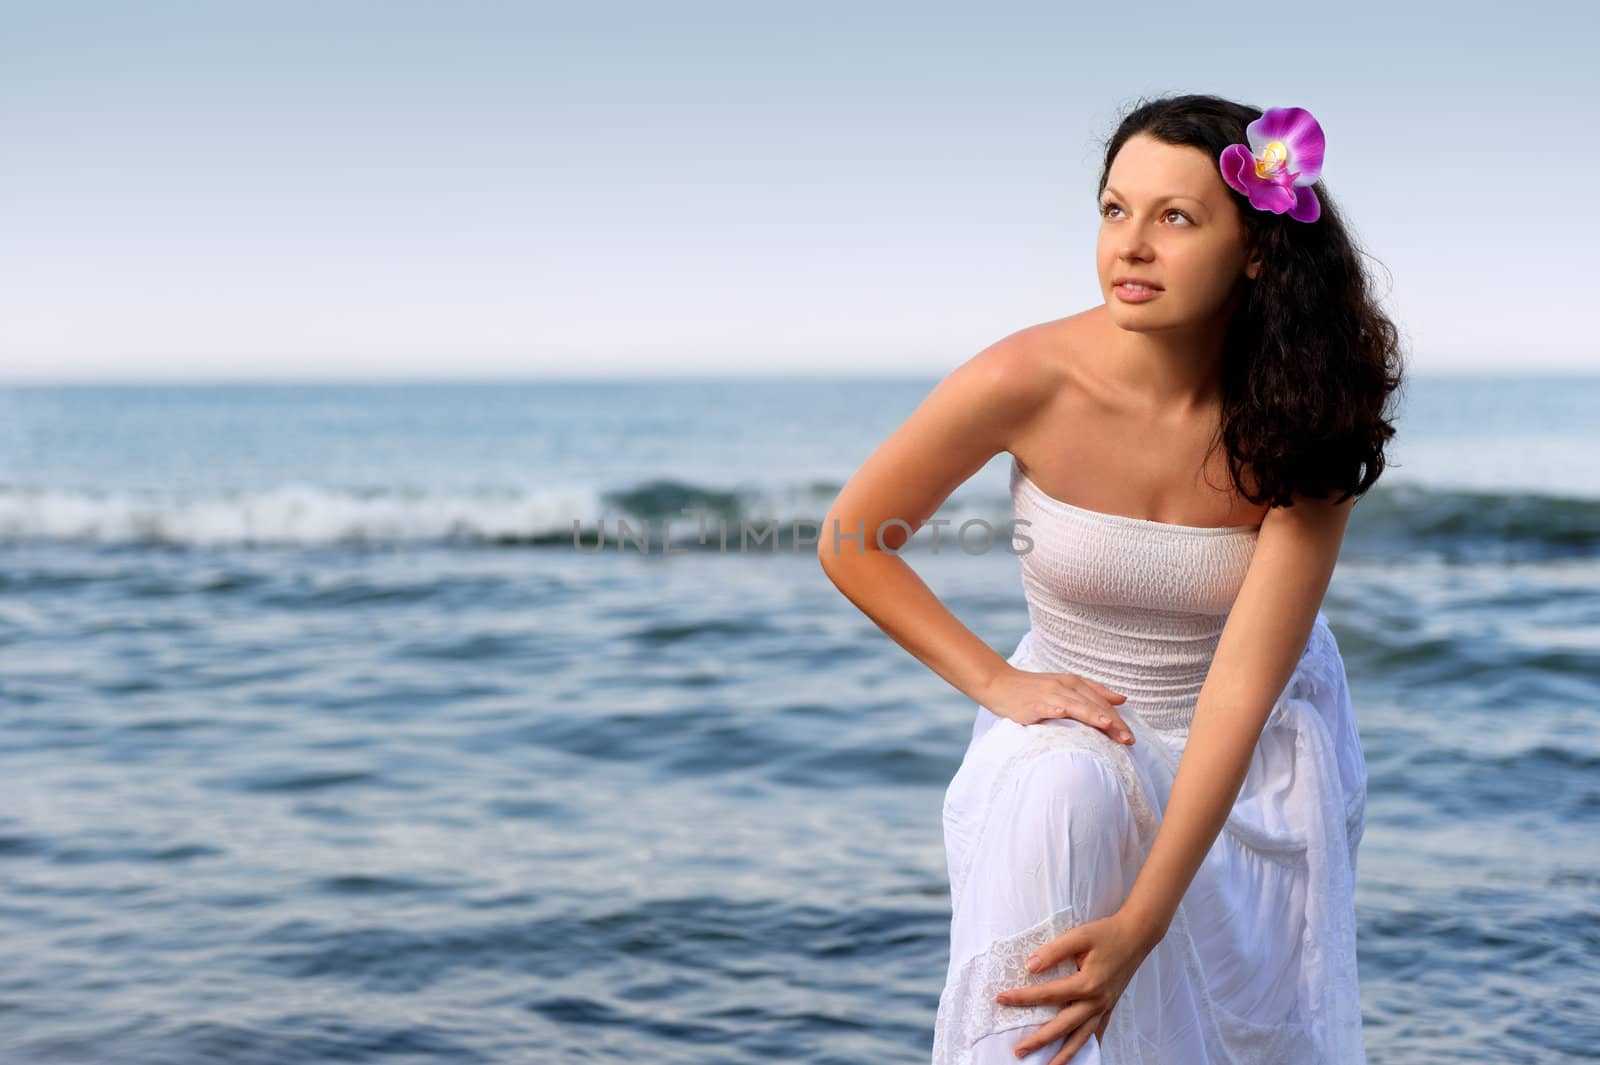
point(1165, 789)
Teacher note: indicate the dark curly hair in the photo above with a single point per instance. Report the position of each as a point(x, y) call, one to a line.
point(1309, 360)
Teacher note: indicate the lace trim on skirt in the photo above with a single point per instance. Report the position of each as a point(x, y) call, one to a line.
point(967, 1009)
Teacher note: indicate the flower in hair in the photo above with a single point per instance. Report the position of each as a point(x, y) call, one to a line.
point(1276, 169)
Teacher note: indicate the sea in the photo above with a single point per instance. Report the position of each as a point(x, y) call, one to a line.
point(338, 723)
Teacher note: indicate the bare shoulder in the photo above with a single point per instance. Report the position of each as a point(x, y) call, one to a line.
point(1020, 376)
point(986, 405)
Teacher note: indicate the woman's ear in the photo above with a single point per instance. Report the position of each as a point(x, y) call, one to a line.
point(1252, 263)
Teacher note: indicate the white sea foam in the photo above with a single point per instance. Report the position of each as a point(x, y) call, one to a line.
point(290, 514)
point(302, 514)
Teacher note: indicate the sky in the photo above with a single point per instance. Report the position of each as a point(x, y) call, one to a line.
point(365, 190)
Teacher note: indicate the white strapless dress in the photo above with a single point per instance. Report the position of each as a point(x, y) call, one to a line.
point(1047, 825)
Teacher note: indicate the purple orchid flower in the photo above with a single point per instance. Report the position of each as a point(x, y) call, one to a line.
point(1276, 169)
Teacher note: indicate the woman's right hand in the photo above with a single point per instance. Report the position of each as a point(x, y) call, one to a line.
point(1027, 697)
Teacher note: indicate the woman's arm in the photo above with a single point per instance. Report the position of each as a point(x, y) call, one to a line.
point(1260, 646)
point(965, 421)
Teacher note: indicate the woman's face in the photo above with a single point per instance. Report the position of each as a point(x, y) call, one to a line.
point(1167, 216)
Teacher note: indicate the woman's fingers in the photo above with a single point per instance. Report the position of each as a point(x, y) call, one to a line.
point(1076, 1020)
point(1074, 1043)
point(1110, 724)
point(1090, 691)
point(1092, 710)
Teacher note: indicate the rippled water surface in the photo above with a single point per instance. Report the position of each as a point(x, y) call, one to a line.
point(322, 741)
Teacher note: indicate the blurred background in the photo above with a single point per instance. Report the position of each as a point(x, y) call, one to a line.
point(322, 326)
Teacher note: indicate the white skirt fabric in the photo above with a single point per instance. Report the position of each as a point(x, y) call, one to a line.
point(1046, 827)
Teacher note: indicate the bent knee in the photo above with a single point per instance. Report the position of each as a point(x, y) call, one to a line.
point(1065, 840)
point(1071, 794)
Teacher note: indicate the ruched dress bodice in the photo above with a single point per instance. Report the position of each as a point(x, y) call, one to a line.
point(1137, 605)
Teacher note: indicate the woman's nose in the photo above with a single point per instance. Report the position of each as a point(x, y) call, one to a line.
point(1135, 246)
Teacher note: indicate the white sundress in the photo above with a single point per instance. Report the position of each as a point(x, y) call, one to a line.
point(1047, 825)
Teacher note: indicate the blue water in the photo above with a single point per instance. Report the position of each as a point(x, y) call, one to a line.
point(323, 741)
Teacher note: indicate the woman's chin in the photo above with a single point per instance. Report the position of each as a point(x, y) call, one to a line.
point(1134, 318)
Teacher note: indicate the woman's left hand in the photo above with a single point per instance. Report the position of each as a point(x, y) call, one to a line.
point(1108, 952)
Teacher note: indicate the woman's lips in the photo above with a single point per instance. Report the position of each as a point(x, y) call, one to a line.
point(1132, 294)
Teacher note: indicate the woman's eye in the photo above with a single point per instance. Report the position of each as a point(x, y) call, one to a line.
point(1108, 207)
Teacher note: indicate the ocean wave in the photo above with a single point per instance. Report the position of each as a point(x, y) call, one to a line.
point(1401, 519)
